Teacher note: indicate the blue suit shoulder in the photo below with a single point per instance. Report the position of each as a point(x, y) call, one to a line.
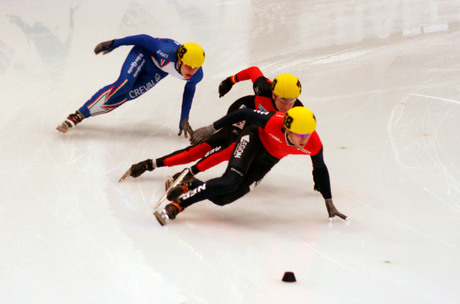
point(166, 49)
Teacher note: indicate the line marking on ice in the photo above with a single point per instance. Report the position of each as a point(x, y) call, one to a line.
point(438, 98)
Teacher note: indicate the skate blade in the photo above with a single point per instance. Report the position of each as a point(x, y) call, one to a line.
point(168, 183)
point(174, 184)
point(128, 173)
point(63, 128)
point(160, 219)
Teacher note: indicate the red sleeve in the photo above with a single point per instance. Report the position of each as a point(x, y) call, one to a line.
point(215, 158)
point(251, 73)
point(314, 144)
point(185, 156)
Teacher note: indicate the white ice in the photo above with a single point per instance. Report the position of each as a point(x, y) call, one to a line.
point(382, 77)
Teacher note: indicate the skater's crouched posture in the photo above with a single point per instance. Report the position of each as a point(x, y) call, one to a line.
point(273, 136)
point(281, 95)
point(148, 62)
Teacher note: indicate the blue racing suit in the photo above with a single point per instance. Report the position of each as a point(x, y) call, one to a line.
point(149, 61)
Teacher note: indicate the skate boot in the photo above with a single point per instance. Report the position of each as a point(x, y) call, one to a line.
point(168, 213)
point(175, 192)
point(71, 121)
point(187, 179)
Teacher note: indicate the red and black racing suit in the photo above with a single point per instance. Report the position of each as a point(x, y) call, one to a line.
point(258, 148)
point(219, 146)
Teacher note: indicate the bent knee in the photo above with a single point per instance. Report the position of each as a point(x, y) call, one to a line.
point(220, 201)
point(232, 179)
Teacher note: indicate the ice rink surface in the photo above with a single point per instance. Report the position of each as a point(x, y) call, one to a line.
point(382, 77)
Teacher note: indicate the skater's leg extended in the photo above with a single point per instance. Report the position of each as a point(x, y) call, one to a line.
point(114, 95)
point(135, 79)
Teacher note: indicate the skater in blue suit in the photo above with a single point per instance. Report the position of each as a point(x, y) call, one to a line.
point(149, 61)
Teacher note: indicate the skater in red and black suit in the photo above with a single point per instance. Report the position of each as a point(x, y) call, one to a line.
point(281, 95)
point(272, 136)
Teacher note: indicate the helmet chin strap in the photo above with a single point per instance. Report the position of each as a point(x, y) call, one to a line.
point(289, 143)
point(274, 103)
point(178, 66)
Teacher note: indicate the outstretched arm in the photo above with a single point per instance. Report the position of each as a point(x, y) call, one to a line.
point(252, 73)
point(323, 184)
point(255, 117)
point(143, 40)
point(187, 99)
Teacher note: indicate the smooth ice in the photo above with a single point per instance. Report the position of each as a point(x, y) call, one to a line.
point(382, 78)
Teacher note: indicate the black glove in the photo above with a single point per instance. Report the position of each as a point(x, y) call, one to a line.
point(225, 86)
point(201, 134)
point(104, 47)
point(186, 128)
point(136, 170)
point(332, 211)
point(316, 188)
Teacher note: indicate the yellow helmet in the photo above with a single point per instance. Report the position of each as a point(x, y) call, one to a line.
point(300, 120)
point(286, 86)
point(191, 54)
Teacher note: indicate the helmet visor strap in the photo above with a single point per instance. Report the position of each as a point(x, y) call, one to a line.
point(301, 136)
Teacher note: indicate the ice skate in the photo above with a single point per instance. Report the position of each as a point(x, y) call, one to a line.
point(138, 169)
point(175, 183)
point(179, 189)
point(71, 121)
point(168, 213)
point(188, 178)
